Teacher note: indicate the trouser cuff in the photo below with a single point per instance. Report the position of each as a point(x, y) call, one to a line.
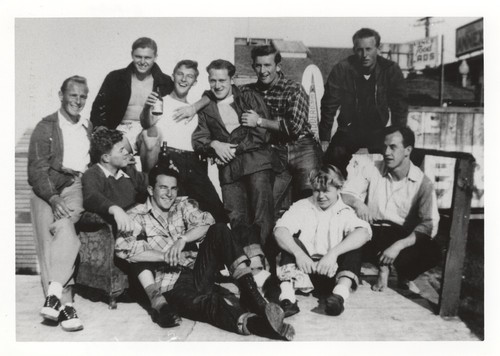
point(350, 275)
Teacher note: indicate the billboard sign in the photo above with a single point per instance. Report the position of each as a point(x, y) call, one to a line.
point(425, 53)
point(469, 38)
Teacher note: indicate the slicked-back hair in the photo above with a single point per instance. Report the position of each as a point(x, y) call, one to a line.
point(265, 50)
point(222, 64)
point(406, 132)
point(189, 64)
point(161, 169)
point(102, 142)
point(145, 42)
point(327, 175)
point(365, 33)
point(75, 79)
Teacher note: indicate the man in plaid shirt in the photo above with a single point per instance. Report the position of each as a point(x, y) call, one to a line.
point(293, 138)
point(176, 252)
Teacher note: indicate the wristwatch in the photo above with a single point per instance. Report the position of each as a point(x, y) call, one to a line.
point(259, 122)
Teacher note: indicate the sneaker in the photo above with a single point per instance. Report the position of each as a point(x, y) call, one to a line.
point(69, 319)
point(50, 309)
point(334, 304)
point(289, 308)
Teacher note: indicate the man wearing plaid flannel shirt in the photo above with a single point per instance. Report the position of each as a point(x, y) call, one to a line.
point(176, 251)
point(292, 136)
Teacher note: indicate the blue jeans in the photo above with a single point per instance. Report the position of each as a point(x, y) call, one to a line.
point(249, 201)
point(299, 158)
point(57, 243)
point(194, 295)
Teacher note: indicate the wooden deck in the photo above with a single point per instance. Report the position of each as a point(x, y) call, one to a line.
point(369, 316)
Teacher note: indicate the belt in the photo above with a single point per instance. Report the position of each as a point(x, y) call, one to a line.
point(177, 150)
point(283, 143)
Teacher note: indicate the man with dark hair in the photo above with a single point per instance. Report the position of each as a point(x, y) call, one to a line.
point(110, 185)
point(179, 278)
point(244, 156)
point(400, 203)
point(58, 155)
point(367, 89)
point(121, 99)
point(177, 133)
point(292, 137)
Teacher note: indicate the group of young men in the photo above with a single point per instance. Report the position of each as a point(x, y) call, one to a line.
point(173, 228)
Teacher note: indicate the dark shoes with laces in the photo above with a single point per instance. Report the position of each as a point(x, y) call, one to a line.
point(66, 315)
point(289, 308)
point(334, 304)
point(51, 308)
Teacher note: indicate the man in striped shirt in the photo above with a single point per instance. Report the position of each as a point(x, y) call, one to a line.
point(400, 203)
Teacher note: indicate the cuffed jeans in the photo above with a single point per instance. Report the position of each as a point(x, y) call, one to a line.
point(299, 158)
point(57, 243)
point(249, 201)
point(411, 261)
point(193, 295)
point(349, 265)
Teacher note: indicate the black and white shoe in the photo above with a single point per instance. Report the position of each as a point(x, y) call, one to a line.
point(50, 309)
point(69, 319)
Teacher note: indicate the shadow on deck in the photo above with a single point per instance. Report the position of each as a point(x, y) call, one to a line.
point(369, 316)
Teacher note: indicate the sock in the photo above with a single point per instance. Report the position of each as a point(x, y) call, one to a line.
point(256, 263)
point(68, 304)
point(287, 291)
point(55, 288)
point(261, 277)
point(341, 290)
point(157, 299)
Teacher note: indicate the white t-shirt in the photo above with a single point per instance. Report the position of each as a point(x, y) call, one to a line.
point(75, 143)
point(177, 134)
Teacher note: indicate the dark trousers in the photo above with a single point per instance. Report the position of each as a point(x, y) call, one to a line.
point(298, 158)
point(193, 295)
point(249, 201)
point(349, 266)
point(412, 261)
point(343, 145)
point(196, 184)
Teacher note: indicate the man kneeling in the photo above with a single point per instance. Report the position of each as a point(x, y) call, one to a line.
point(321, 238)
point(179, 278)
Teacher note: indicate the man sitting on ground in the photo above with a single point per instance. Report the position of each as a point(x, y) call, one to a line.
point(400, 203)
point(179, 280)
point(321, 238)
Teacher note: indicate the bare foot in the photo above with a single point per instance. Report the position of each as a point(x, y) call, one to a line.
point(383, 277)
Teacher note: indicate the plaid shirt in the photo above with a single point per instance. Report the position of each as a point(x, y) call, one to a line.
point(288, 103)
point(154, 232)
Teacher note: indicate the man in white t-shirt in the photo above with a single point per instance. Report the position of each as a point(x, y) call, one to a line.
point(177, 133)
point(58, 155)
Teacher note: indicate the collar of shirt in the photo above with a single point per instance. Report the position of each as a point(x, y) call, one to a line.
point(63, 121)
point(108, 174)
point(334, 208)
point(414, 174)
point(226, 101)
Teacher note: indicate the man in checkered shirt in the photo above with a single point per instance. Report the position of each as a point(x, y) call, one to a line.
point(293, 138)
point(176, 250)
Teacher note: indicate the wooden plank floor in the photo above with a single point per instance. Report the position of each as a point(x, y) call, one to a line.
point(369, 316)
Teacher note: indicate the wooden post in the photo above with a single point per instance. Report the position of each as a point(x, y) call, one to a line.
point(449, 300)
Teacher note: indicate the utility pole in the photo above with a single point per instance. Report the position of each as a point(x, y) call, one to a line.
point(426, 21)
